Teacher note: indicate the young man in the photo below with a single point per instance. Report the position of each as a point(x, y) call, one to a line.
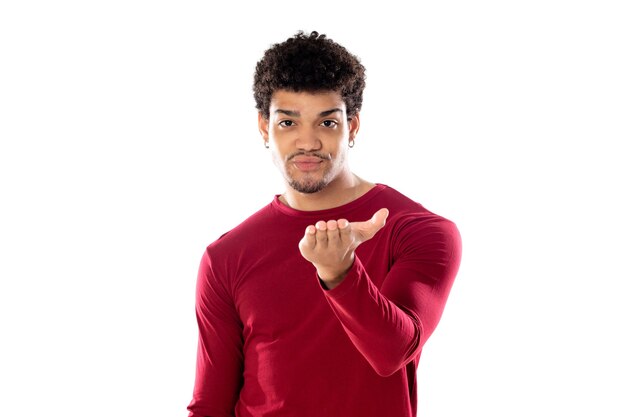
point(320, 303)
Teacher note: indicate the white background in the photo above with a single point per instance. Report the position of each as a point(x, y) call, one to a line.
point(129, 143)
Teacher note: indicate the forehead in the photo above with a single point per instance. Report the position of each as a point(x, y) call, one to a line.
point(306, 102)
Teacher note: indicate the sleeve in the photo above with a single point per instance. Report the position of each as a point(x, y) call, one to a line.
point(390, 325)
point(219, 366)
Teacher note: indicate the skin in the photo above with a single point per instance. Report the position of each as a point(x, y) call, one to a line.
point(308, 135)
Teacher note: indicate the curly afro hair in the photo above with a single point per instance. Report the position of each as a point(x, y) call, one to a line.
point(309, 63)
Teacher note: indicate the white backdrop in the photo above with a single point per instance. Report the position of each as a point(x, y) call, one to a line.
point(129, 143)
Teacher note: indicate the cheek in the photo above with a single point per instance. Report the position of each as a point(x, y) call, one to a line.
point(278, 157)
point(280, 139)
point(279, 150)
point(342, 152)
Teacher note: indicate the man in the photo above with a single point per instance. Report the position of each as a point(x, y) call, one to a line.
point(320, 303)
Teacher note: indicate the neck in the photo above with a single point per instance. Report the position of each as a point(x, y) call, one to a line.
point(344, 189)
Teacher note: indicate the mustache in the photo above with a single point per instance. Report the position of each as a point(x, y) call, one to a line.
point(315, 154)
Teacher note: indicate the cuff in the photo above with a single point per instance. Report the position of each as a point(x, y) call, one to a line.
point(349, 281)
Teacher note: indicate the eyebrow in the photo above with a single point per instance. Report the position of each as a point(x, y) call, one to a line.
point(292, 113)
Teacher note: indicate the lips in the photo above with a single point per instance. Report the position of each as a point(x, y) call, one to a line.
point(307, 163)
point(307, 159)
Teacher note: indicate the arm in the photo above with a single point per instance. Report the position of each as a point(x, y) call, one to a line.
point(219, 366)
point(389, 325)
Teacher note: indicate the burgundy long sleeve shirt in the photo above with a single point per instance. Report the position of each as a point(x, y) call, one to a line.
point(274, 342)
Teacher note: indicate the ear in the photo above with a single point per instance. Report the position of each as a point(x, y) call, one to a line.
point(354, 123)
point(263, 127)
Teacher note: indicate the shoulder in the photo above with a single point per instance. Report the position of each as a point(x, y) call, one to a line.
point(234, 250)
point(404, 208)
point(410, 224)
point(246, 232)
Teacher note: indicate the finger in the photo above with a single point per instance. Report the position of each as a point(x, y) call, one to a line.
point(308, 241)
point(321, 235)
point(332, 232)
point(345, 230)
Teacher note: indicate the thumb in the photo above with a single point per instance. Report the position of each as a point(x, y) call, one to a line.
point(366, 230)
point(379, 218)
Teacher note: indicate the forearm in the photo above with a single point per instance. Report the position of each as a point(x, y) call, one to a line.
point(386, 335)
point(219, 363)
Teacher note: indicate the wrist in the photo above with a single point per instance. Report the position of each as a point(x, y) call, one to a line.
point(333, 276)
point(331, 279)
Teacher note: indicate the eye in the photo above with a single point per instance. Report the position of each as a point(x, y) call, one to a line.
point(329, 123)
point(286, 123)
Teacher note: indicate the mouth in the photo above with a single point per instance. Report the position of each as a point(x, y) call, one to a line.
point(307, 162)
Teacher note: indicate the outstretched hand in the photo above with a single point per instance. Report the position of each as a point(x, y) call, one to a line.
point(330, 245)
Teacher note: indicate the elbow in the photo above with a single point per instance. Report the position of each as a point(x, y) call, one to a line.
point(390, 361)
point(384, 370)
point(388, 365)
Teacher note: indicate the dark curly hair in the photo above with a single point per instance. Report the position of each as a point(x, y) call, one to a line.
point(309, 63)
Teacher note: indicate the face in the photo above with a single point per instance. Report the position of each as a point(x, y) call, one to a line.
point(308, 135)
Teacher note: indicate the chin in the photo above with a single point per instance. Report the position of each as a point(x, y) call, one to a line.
point(308, 187)
point(308, 184)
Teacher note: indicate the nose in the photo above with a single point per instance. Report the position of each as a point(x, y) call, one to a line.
point(308, 141)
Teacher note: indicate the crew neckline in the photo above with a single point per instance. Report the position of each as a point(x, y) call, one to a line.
point(278, 205)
